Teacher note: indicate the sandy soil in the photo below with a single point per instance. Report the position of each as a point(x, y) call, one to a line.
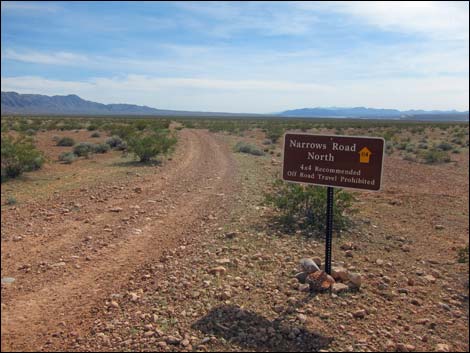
point(184, 257)
point(73, 249)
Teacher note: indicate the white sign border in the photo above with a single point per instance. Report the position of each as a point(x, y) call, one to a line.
point(333, 186)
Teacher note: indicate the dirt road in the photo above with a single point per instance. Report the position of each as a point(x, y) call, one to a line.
point(71, 252)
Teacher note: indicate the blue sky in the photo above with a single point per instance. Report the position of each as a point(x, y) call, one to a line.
point(255, 57)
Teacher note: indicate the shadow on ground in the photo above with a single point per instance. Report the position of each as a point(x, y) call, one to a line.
point(251, 331)
point(136, 163)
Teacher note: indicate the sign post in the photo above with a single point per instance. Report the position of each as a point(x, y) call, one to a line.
point(329, 228)
point(333, 161)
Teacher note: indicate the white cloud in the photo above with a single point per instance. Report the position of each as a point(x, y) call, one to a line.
point(54, 58)
point(442, 20)
point(27, 6)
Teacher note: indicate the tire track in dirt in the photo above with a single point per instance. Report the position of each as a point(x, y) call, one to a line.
point(195, 186)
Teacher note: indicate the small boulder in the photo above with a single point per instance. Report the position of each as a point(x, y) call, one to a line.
point(219, 270)
point(308, 265)
point(355, 280)
point(339, 273)
point(359, 314)
point(339, 288)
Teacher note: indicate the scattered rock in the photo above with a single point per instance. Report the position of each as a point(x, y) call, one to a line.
point(442, 347)
point(7, 280)
point(339, 288)
point(231, 235)
point(347, 246)
point(116, 209)
point(218, 271)
point(359, 314)
point(308, 265)
point(339, 273)
point(319, 281)
point(355, 280)
point(430, 278)
point(173, 340)
point(223, 261)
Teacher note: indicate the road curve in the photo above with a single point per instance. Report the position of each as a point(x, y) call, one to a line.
point(78, 259)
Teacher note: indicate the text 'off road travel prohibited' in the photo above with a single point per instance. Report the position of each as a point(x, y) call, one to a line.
point(342, 161)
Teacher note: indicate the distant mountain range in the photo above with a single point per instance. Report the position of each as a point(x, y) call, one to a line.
point(15, 103)
point(29, 104)
point(362, 112)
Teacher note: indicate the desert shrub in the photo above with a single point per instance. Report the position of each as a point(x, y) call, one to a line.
point(100, 148)
point(444, 146)
point(95, 134)
point(19, 155)
point(244, 147)
point(274, 133)
point(409, 157)
point(66, 141)
point(11, 200)
point(409, 148)
point(83, 149)
point(92, 127)
point(423, 146)
point(122, 146)
point(114, 141)
point(463, 255)
point(435, 156)
point(304, 207)
point(402, 145)
point(67, 157)
point(149, 146)
point(123, 131)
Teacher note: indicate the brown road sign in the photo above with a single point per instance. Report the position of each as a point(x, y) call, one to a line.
point(340, 161)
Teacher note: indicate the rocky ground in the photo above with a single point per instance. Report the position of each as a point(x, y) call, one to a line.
point(188, 259)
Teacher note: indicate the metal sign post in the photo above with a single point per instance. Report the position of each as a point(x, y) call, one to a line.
point(329, 228)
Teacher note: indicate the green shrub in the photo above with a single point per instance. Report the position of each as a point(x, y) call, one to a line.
point(423, 146)
point(83, 149)
point(148, 146)
point(435, 156)
point(409, 148)
point(19, 155)
point(463, 255)
point(67, 157)
point(11, 200)
point(274, 133)
point(101, 148)
point(66, 141)
point(114, 141)
point(92, 127)
point(244, 147)
point(95, 134)
point(304, 207)
point(444, 146)
point(409, 157)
